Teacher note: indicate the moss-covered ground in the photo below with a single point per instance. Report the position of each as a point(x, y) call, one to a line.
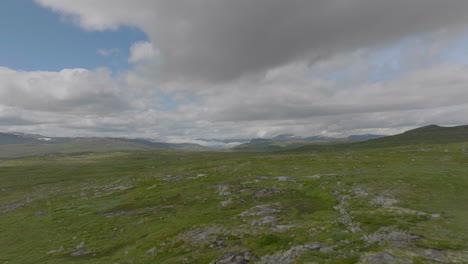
point(196, 207)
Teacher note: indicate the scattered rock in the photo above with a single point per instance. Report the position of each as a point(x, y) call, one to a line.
point(152, 187)
point(218, 244)
point(327, 250)
point(151, 251)
point(223, 189)
point(201, 234)
point(261, 210)
point(313, 246)
point(381, 257)
point(388, 234)
point(383, 201)
point(122, 188)
point(288, 256)
point(55, 251)
point(283, 178)
point(395, 210)
point(267, 220)
point(282, 228)
point(80, 253)
point(236, 258)
point(266, 193)
point(436, 216)
point(81, 245)
point(226, 202)
point(432, 254)
point(360, 192)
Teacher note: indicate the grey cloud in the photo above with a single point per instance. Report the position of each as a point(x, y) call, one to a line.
point(70, 90)
point(221, 40)
point(224, 43)
point(438, 86)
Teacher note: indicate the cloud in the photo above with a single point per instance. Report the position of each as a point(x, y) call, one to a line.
point(243, 69)
point(292, 96)
point(107, 52)
point(222, 40)
point(142, 51)
point(70, 90)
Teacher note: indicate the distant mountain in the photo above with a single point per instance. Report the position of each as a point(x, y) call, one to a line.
point(14, 145)
point(272, 146)
point(22, 138)
point(289, 137)
point(291, 141)
point(432, 134)
point(292, 137)
point(364, 137)
point(226, 141)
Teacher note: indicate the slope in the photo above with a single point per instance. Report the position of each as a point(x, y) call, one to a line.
point(432, 134)
point(90, 145)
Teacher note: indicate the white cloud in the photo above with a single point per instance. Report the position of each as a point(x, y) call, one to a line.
point(70, 90)
point(224, 85)
point(142, 51)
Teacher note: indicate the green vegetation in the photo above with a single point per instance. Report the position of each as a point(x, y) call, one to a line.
point(405, 203)
point(421, 136)
point(73, 145)
point(273, 146)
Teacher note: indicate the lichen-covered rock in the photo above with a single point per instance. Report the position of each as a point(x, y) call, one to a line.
point(267, 220)
point(261, 210)
point(236, 258)
point(80, 253)
point(265, 193)
point(432, 254)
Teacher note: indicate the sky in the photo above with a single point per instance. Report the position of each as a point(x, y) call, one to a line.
point(184, 71)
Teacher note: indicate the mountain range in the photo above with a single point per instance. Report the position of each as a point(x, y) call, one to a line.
point(14, 145)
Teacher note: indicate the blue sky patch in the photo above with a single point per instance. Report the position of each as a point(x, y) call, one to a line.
point(35, 38)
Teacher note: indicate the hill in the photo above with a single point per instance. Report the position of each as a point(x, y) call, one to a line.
point(272, 146)
point(290, 141)
point(431, 134)
point(22, 145)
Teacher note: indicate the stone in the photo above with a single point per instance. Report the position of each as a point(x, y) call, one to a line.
point(151, 251)
point(236, 258)
point(80, 253)
point(266, 192)
point(267, 220)
point(56, 251)
point(282, 228)
point(383, 201)
point(225, 202)
point(432, 254)
point(327, 250)
point(283, 178)
point(381, 257)
point(313, 246)
point(436, 216)
point(260, 210)
point(81, 245)
point(283, 257)
point(202, 234)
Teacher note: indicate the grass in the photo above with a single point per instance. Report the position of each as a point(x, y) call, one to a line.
point(143, 206)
